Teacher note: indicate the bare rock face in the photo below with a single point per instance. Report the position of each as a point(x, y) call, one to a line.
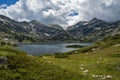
point(94, 29)
point(3, 60)
point(33, 31)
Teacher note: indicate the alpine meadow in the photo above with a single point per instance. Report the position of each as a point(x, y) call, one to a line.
point(59, 39)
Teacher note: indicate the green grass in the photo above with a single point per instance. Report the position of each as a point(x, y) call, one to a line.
point(97, 62)
point(8, 50)
point(100, 62)
point(21, 66)
point(61, 55)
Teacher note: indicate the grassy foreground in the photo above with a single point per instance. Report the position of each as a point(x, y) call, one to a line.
point(20, 66)
point(97, 65)
point(98, 62)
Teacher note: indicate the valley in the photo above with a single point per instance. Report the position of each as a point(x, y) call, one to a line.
point(94, 62)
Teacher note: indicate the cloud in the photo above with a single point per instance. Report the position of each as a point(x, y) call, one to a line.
point(3, 6)
point(63, 12)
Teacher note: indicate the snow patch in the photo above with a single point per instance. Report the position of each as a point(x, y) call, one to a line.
point(2, 19)
point(46, 34)
point(85, 23)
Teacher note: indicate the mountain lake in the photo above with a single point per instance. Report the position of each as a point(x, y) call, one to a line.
point(48, 48)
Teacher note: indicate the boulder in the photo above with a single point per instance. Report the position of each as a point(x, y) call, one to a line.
point(3, 60)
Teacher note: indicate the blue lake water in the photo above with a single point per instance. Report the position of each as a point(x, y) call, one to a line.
point(48, 48)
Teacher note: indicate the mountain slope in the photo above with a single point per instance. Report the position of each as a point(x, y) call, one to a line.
point(33, 31)
point(17, 65)
point(94, 29)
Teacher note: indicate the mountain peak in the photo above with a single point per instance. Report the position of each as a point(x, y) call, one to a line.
point(95, 19)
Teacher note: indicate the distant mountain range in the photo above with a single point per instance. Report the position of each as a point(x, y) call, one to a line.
point(35, 31)
point(94, 29)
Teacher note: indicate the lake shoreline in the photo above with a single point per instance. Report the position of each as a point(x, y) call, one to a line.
point(37, 49)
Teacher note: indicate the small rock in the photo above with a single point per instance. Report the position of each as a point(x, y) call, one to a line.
point(3, 60)
point(116, 45)
point(102, 76)
point(94, 75)
point(86, 71)
point(93, 49)
point(109, 76)
point(81, 68)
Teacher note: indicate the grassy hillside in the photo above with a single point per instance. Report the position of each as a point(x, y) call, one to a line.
point(20, 66)
point(101, 61)
point(97, 62)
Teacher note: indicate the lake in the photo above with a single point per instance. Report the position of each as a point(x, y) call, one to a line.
point(48, 48)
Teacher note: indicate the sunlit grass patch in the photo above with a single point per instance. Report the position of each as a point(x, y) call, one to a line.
point(99, 63)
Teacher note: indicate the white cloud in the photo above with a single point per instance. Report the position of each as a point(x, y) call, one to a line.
point(58, 11)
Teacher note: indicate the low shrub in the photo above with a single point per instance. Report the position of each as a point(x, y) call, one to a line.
point(2, 43)
point(61, 55)
point(115, 55)
point(87, 49)
point(74, 46)
point(47, 55)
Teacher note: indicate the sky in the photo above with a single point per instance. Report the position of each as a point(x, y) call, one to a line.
point(62, 12)
point(8, 2)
